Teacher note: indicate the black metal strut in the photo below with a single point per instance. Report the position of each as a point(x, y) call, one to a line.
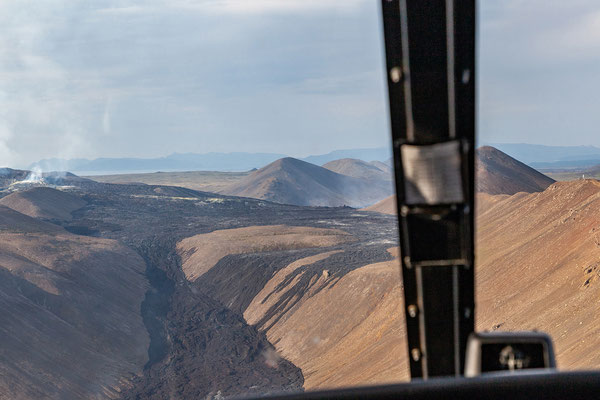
point(430, 53)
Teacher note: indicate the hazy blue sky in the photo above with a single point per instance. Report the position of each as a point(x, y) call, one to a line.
point(150, 77)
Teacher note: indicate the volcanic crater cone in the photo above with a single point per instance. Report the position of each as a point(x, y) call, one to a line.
point(499, 173)
point(291, 181)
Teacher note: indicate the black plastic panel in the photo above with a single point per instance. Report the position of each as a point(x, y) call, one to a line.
point(519, 386)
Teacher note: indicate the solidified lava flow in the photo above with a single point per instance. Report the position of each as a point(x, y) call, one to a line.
point(200, 345)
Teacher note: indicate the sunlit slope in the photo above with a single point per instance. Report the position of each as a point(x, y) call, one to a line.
point(498, 173)
point(538, 267)
point(70, 324)
point(342, 325)
point(201, 252)
point(385, 206)
point(44, 202)
point(341, 332)
point(292, 181)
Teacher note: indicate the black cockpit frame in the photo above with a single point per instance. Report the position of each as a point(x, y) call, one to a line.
point(430, 54)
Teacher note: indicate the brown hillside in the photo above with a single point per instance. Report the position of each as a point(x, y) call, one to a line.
point(44, 202)
point(342, 332)
point(291, 181)
point(70, 324)
point(484, 201)
point(15, 222)
point(201, 252)
point(538, 267)
point(358, 169)
point(498, 173)
point(385, 206)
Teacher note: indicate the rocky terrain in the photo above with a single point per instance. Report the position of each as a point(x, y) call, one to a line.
point(70, 325)
point(147, 291)
point(193, 338)
point(538, 268)
point(537, 265)
point(361, 345)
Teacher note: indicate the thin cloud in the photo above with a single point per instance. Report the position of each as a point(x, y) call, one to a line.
point(270, 6)
point(129, 10)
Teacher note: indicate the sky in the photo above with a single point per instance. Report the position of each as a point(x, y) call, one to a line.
point(147, 78)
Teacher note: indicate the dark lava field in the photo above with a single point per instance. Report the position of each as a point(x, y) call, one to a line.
point(200, 345)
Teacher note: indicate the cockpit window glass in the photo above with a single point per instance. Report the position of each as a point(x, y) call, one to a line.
point(196, 199)
point(537, 252)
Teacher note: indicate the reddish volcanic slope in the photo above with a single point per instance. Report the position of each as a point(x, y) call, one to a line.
point(385, 206)
point(538, 267)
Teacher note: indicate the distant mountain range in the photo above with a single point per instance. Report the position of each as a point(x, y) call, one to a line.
point(376, 154)
point(535, 155)
point(238, 161)
point(357, 183)
point(342, 182)
point(173, 162)
point(551, 157)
